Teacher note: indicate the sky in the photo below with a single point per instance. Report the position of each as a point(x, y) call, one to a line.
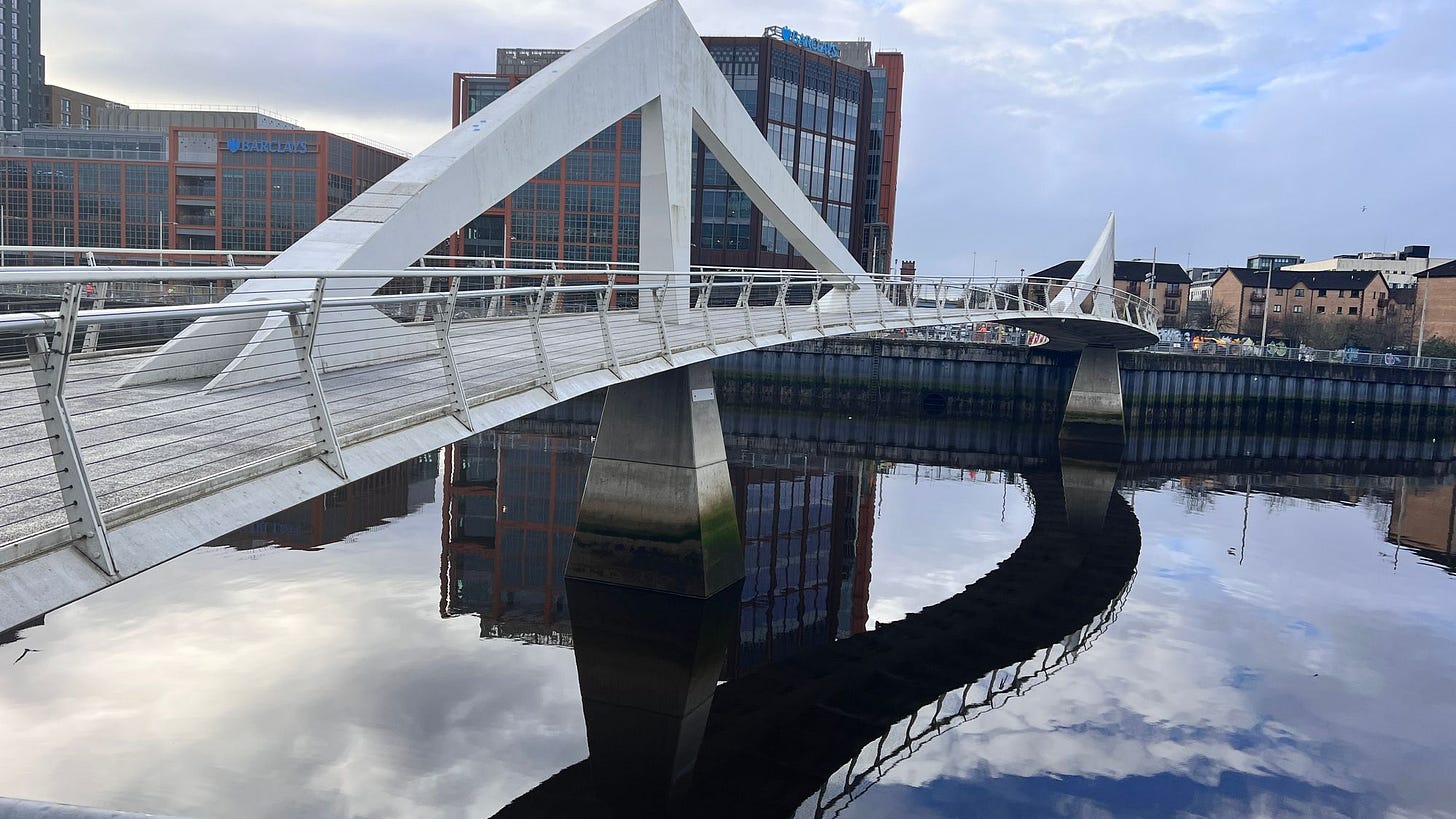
point(1215, 129)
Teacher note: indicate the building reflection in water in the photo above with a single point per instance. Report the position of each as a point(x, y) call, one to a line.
point(509, 514)
point(510, 510)
point(354, 507)
point(815, 731)
point(1423, 519)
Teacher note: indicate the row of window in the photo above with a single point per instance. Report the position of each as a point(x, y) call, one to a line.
point(573, 227)
point(102, 177)
point(1299, 293)
point(1339, 311)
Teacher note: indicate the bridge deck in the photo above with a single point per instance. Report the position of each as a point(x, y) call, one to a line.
point(175, 463)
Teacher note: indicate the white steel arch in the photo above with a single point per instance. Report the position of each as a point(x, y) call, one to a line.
point(653, 61)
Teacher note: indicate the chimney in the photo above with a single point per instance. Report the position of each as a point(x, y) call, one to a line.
point(907, 269)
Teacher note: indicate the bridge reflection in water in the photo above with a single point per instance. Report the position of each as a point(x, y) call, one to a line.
point(826, 719)
point(823, 724)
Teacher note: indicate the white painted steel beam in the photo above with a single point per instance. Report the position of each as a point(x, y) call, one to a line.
point(653, 61)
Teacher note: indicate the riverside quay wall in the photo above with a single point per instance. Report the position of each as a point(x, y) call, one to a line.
point(1291, 399)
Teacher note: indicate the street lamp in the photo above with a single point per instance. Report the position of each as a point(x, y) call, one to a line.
point(1425, 298)
point(1268, 287)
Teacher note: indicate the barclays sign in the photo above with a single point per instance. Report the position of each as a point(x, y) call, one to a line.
point(268, 146)
point(803, 40)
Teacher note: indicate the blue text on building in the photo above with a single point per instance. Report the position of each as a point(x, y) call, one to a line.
point(270, 146)
point(803, 40)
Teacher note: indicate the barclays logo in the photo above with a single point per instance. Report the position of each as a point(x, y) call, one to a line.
point(269, 146)
point(803, 40)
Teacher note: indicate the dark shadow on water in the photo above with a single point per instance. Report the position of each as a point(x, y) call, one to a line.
point(775, 736)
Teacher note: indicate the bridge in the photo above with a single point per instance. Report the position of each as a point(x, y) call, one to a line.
point(352, 350)
point(824, 725)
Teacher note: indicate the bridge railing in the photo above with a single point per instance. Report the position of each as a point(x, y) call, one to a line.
point(91, 443)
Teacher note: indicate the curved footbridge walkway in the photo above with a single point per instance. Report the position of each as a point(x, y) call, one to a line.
point(316, 369)
point(165, 465)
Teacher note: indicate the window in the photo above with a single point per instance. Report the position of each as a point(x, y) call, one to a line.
point(1299, 308)
point(1319, 309)
point(1339, 310)
point(1344, 294)
point(1298, 293)
point(1278, 291)
point(1322, 293)
point(1278, 308)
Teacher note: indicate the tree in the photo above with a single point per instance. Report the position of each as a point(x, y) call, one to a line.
point(1438, 347)
point(1222, 316)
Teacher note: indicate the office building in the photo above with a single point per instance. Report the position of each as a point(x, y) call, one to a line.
point(511, 500)
point(1401, 268)
point(1265, 262)
point(179, 185)
point(830, 114)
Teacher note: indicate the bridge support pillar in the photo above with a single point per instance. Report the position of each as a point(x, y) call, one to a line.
point(648, 663)
point(657, 512)
point(653, 583)
point(1094, 407)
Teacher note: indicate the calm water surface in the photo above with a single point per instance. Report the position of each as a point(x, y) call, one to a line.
point(1285, 646)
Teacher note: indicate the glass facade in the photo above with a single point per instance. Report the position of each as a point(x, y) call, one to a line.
point(22, 68)
point(816, 114)
point(187, 188)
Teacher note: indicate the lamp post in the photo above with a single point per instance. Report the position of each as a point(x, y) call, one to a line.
point(1268, 286)
point(1425, 299)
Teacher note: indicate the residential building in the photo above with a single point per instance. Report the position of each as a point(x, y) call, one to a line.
point(22, 68)
point(1401, 268)
point(1424, 519)
point(1292, 299)
point(830, 114)
point(1166, 287)
point(67, 108)
point(207, 188)
point(1434, 302)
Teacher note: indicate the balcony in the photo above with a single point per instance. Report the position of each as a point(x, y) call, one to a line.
point(1257, 296)
point(1170, 305)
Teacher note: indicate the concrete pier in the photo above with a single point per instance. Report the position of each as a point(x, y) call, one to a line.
point(648, 663)
point(657, 512)
point(1094, 406)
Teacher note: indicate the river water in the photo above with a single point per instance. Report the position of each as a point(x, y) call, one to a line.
point(1214, 637)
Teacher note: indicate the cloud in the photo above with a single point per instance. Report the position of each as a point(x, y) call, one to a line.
point(1215, 129)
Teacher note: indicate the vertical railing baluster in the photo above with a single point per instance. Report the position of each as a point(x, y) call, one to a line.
point(304, 330)
point(543, 361)
point(705, 296)
point(659, 300)
point(744, 298)
point(98, 302)
point(50, 359)
point(782, 300)
point(880, 297)
point(818, 313)
point(444, 320)
point(604, 303)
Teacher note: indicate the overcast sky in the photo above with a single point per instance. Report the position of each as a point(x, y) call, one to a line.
point(1214, 128)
